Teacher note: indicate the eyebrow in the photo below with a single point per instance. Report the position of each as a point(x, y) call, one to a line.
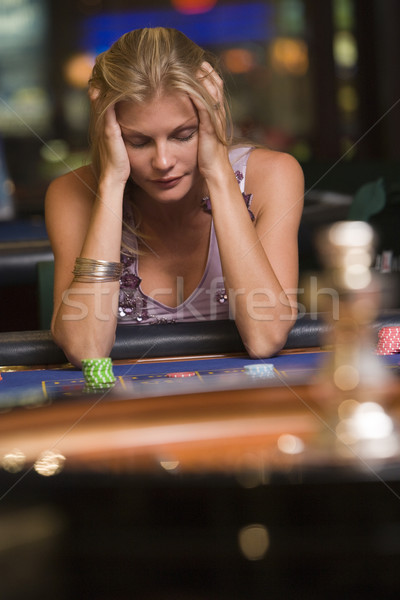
point(185, 125)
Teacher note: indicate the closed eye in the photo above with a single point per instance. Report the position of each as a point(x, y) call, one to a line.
point(136, 144)
point(142, 143)
point(186, 138)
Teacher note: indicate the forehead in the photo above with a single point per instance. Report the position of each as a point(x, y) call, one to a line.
point(170, 109)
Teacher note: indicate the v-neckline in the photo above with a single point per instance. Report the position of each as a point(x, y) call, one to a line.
point(211, 243)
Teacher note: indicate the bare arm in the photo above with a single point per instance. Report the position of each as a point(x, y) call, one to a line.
point(84, 219)
point(260, 262)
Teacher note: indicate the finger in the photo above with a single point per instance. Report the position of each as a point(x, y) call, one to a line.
point(212, 124)
point(206, 67)
point(214, 87)
point(111, 124)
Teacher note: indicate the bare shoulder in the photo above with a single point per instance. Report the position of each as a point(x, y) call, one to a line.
point(276, 181)
point(68, 206)
point(273, 165)
point(78, 184)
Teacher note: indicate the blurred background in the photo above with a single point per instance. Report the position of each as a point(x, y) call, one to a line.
point(315, 78)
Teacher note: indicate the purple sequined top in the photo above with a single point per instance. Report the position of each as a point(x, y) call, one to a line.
point(208, 301)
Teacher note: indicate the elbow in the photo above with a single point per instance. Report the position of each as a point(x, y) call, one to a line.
point(264, 342)
point(76, 349)
point(72, 352)
point(264, 347)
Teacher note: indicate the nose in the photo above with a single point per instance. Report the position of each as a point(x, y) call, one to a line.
point(163, 158)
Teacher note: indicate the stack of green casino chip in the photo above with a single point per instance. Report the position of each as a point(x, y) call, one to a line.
point(98, 373)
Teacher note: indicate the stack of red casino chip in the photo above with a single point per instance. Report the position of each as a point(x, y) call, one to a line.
point(388, 340)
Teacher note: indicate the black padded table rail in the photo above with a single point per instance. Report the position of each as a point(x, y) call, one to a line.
point(179, 339)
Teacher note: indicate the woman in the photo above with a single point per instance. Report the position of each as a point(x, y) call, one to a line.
point(169, 223)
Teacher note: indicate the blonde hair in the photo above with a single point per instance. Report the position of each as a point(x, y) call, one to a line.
point(138, 66)
point(146, 62)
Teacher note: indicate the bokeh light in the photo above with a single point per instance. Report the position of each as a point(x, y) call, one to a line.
point(54, 151)
point(368, 428)
point(13, 461)
point(351, 234)
point(49, 463)
point(357, 277)
point(347, 98)
point(346, 377)
point(370, 421)
point(289, 56)
point(254, 541)
point(290, 444)
point(345, 50)
point(193, 7)
point(238, 60)
point(170, 465)
point(347, 407)
point(78, 69)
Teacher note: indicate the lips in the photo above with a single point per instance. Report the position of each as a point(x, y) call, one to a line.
point(166, 180)
point(167, 183)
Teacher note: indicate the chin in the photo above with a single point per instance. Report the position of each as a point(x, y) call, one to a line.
point(174, 195)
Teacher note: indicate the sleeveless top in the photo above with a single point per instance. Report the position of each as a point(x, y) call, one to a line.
point(208, 301)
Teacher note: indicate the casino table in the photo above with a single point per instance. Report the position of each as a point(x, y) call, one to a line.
point(203, 412)
point(218, 485)
point(215, 394)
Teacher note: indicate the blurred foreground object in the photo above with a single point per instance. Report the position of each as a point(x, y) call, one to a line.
point(354, 382)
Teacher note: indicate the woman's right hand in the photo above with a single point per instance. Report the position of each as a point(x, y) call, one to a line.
point(114, 161)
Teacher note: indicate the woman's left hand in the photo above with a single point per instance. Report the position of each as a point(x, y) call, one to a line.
point(212, 152)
